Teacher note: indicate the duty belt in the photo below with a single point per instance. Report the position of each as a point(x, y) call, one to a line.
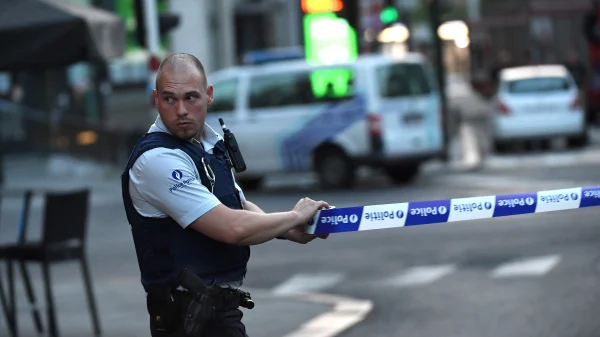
point(224, 299)
point(199, 302)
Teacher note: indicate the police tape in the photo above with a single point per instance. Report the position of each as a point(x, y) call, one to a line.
point(415, 213)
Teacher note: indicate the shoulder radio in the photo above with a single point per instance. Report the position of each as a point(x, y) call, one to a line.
point(236, 160)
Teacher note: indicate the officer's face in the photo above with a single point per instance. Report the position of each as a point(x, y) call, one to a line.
point(181, 97)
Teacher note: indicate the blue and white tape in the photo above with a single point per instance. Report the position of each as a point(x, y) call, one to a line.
point(362, 218)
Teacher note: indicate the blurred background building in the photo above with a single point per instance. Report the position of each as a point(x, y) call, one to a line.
point(475, 36)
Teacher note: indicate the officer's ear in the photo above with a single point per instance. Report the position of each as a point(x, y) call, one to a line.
point(209, 94)
point(155, 97)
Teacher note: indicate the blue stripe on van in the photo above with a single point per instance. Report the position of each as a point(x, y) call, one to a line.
point(336, 117)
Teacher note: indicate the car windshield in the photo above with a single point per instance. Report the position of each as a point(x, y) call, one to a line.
point(537, 85)
point(402, 79)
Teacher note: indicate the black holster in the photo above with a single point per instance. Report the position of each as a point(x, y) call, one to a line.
point(200, 311)
point(206, 301)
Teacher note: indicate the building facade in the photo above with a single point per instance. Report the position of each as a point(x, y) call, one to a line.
point(220, 32)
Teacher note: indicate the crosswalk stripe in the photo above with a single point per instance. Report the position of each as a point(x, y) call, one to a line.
point(417, 276)
point(587, 156)
point(301, 283)
point(535, 266)
point(421, 275)
point(500, 181)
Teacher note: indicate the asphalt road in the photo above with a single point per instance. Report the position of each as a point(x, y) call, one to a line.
point(535, 275)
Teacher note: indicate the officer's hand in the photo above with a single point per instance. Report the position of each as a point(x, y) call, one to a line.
point(306, 209)
point(299, 236)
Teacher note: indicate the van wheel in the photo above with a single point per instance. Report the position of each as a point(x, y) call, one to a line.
point(334, 168)
point(501, 147)
point(403, 174)
point(578, 142)
point(250, 184)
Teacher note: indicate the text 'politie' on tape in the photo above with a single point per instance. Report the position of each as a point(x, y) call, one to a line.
point(414, 213)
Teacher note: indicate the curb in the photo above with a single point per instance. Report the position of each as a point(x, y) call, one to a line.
point(346, 313)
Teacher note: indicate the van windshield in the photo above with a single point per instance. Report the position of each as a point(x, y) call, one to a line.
point(402, 79)
point(539, 84)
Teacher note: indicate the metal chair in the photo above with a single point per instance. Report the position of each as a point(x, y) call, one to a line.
point(63, 239)
point(7, 308)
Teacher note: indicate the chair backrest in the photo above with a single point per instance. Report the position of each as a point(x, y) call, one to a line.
point(65, 217)
point(24, 217)
point(24, 220)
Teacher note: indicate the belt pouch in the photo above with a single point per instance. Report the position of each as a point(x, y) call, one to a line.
point(164, 311)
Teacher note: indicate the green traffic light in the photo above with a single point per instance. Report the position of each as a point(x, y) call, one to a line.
point(388, 15)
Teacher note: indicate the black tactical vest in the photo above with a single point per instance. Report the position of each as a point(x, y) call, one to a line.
point(163, 248)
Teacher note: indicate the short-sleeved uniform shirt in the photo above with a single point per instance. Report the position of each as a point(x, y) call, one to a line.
point(151, 178)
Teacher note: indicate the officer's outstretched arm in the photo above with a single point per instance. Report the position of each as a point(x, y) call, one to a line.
point(241, 227)
point(252, 207)
point(167, 180)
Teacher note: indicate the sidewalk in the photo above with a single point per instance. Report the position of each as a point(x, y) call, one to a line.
point(122, 311)
point(121, 302)
point(56, 173)
point(29, 169)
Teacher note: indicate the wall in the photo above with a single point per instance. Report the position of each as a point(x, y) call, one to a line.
point(194, 33)
point(207, 28)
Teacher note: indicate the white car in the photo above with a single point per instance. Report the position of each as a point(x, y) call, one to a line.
point(537, 103)
point(290, 116)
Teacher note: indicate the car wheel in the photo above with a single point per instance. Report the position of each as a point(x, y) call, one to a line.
point(403, 174)
point(546, 144)
point(335, 169)
point(592, 117)
point(578, 141)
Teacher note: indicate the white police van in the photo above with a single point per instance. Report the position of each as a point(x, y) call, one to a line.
point(289, 116)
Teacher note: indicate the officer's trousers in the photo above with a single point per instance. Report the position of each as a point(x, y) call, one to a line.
point(226, 323)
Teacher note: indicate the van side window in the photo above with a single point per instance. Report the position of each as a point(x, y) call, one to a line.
point(225, 95)
point(402, 79)
point(303, 87)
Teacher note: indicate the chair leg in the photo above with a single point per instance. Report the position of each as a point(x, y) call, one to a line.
point(6, 308)
point(52, 326)
point(90, 295)
point(35, 313)
point(12, 298)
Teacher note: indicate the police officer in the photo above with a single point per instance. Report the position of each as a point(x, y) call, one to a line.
point(187, 212)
